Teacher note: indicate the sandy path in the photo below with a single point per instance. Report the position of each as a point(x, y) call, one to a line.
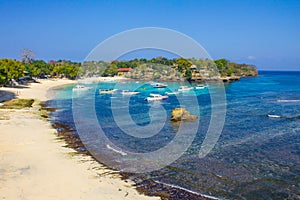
point(34, 165)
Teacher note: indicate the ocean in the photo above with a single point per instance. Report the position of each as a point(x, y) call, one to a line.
point(256, 155)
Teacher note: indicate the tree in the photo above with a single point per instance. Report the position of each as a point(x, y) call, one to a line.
point(3, 76)
point(10, 69)
point(183, 64)
point(112, 69)
point(188, 74)
point(221, 63)
point(40, 68)
point(71, 70)
point(27, 56)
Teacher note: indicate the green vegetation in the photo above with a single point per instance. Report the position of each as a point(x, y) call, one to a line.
point(10, 69)
point(13, 69)
point(190, 69)
point(155, 71)
point(227, 68)
point(159, 68)
point(60, 68)
point(17, 104)
point(65, 69)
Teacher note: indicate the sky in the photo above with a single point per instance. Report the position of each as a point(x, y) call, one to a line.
point(260, 32)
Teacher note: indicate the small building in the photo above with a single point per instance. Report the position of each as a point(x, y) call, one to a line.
point(123, 71)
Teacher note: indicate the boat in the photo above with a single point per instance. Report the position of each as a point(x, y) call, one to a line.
point(159, 85)
point(127, 92)
point(171, 93)
point(107, 91)
point(184, 88)
point(80, 88)
point(156, 97)
point(200, 87)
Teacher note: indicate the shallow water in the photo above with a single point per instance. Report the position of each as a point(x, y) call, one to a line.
point(256, 157)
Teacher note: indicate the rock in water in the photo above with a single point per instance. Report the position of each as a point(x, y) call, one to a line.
point(181, 114)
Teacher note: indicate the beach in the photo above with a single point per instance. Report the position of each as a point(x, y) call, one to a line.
point(34, 163)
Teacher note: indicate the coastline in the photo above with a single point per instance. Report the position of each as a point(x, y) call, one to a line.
point(142, 184)
point(35, 165)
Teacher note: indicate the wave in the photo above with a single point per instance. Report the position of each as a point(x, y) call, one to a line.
point(285, 117)
point(117, 151)
point(274, 116)
point(288, 101)
point(187, 190)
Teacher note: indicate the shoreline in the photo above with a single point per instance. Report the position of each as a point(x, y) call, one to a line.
point(35, 165)
point(144, 186)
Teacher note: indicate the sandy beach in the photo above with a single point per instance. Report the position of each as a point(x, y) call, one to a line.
point(34, 165)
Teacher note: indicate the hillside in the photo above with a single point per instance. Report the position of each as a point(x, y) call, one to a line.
point(191, 69)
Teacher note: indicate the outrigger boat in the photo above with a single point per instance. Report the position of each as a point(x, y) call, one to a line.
point(171, 93)
point(200, 87)
point(156, 97)
point(158, 85)
point(80, 88)
point(107, 91)
point(127, 92)
point(184, 88)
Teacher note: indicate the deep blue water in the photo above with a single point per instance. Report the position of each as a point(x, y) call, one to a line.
point(256, 156)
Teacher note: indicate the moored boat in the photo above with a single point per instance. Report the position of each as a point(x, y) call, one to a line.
point(80, 88)
point(171, 93)
point(184, 88)
point(159, 85)
point(127, 92)
point(200, 87)
point(107, 91)
point(156, 97)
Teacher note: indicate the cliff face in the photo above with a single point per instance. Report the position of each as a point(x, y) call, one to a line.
point(249, 73)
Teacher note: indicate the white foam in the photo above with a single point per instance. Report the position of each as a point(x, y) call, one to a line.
point(274, 116)
point(190, 191)
point(288, 101)
point(117, 151)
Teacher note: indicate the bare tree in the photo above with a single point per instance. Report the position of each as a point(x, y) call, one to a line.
point(27, 56)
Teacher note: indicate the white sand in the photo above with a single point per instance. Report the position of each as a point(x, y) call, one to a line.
point(34, 165)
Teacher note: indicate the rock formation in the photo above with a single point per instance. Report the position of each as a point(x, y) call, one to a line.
point(181, 114)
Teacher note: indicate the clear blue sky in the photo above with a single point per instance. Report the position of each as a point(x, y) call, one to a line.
point(264, 33)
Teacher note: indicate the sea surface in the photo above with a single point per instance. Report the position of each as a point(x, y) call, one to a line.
point(257, 155)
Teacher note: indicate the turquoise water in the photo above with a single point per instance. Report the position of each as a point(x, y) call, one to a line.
point(256, 157)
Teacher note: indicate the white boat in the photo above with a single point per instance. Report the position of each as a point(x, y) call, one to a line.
point(80, 88)
point(200, 87)
point(107, 91)
point(184, 88)
point(127, 92)
point(156, 97)
point(171, 93)
point(158, 85)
